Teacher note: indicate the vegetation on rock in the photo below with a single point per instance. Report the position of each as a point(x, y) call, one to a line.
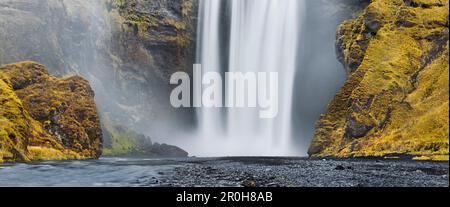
point(14, 124)
point(152, 31)
point(121, 141)
point(151, 41)
point(127, 48)
point(396, 98)
point(45, 118)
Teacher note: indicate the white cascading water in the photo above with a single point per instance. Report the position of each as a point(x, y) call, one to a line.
point(263, 37)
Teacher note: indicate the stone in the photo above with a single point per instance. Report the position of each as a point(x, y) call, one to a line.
point(250, 184)
point(339, 167)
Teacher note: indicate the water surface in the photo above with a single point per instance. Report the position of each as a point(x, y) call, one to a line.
point(228, 172)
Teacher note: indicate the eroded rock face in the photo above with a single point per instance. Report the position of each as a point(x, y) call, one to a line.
point(152, 40)
point(155, 35)
point(60, 119)
point(395, 100)
point(126, 49)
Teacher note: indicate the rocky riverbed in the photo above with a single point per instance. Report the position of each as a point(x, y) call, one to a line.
point(275, 172)
point(229, 172)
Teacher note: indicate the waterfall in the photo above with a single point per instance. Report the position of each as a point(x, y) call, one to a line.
point(249, 36)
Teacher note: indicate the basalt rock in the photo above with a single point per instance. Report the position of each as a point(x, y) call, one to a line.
point(396, 98)
point(48, 118)
point(165, 150)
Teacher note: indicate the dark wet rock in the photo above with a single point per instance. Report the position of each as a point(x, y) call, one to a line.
point(356, 129)
point(339, 167)
point(165, 150)
point(250, 184)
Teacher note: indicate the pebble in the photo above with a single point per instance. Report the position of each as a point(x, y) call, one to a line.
point(250, 184)
point(339, 167)
point(307, 173)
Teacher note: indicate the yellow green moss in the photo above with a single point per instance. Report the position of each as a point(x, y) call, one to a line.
point(45, 118)
point(397, 96)
point(432, 158)
point(44, 153)
point(14, 128)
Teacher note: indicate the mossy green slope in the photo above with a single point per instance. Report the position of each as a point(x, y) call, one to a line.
point(14, 122)
point(45, 118)
point(120, 141)
point(22, 138)
point(395, 101)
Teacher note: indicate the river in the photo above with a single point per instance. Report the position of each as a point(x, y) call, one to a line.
point(228, 172)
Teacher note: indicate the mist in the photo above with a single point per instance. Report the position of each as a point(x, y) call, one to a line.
point(320, 75)
point(315, 70)
point(131, 78)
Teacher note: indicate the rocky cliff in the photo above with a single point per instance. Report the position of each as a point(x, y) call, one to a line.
point(125, 49)
point(396, 99)
point(154, 35)
point(151, 41)
point(46, 118)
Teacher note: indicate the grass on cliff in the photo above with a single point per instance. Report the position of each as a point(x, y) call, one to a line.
point(399, 88)
point(64, 107)
point(14, 124)
point(121, 141)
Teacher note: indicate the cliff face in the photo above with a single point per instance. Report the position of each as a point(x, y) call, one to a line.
point(396, 99)
point(45, 118)
point(53, 32)
point(151, 41)
point(155, 35)
point(126, 49)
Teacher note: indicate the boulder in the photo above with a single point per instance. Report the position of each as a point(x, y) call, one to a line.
point(62, 117)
